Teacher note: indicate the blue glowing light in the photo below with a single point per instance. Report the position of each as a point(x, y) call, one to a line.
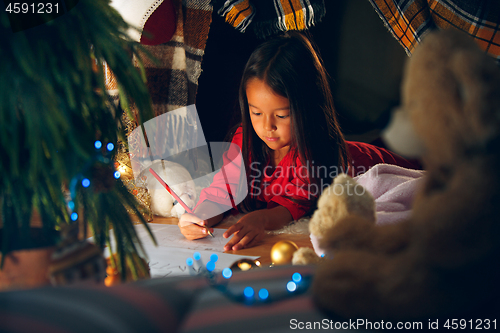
point(117, 174)
point(98, 144)
point(322, 255)
point(248, 292)
point(74, 216)
point(210, 266)
point(85, 182)
point(189, 261)
point(291, 286)
point(214, 257)
point(110, 146)
point(263, 293)
point(296, 277)
point(197, 256)
point(227, 273)
point(71, 205)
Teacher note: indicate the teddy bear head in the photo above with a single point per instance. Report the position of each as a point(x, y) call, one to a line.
point(343, 198)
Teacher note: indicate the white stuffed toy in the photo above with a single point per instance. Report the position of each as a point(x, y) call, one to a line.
point(179, 180)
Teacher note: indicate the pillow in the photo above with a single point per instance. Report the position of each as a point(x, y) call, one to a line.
point(223, 309)
point(160, 26)
point(156, 17)
point(154, 305)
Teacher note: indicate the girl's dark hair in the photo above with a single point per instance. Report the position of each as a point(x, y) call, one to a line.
point(292, 68)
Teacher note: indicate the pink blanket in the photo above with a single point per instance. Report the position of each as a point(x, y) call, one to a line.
point(393, 188)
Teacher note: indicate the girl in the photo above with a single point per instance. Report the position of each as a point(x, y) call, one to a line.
point(290, 140)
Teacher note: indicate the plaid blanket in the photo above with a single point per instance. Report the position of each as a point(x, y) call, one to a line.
point(173, 80)
point(409, 21)
point(271, 16)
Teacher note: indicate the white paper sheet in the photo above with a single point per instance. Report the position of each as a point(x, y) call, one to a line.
point(171, 261)
point(170, 236)
point(169, 257)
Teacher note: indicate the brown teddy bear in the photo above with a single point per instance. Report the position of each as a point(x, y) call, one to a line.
point(444, 260)
point(343, 198)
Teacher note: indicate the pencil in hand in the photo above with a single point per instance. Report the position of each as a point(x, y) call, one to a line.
point(203, 226)
point(176, 197)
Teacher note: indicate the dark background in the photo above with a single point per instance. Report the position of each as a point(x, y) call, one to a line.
point(363, 59)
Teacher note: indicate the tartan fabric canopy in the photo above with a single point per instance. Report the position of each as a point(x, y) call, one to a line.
point(409, 21)
point(268, 17)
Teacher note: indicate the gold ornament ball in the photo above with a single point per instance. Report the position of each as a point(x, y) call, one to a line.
point(244, 265)
point(282, 252)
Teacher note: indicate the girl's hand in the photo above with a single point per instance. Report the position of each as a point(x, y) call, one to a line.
point(247, 231)
point(191, 226)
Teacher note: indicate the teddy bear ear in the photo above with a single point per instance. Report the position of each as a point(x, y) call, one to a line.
point(400, 135)
point(478, 82)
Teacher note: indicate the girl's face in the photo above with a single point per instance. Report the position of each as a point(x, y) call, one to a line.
point(270, 116)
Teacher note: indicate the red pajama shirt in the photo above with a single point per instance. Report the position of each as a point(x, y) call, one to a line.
point(286, 185)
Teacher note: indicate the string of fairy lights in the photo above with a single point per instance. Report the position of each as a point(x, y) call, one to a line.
point(250, 295)
point(103, 155)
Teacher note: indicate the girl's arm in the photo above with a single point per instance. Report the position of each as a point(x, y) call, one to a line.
point(204, 215)
point(251, 228)
point(208, 212)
